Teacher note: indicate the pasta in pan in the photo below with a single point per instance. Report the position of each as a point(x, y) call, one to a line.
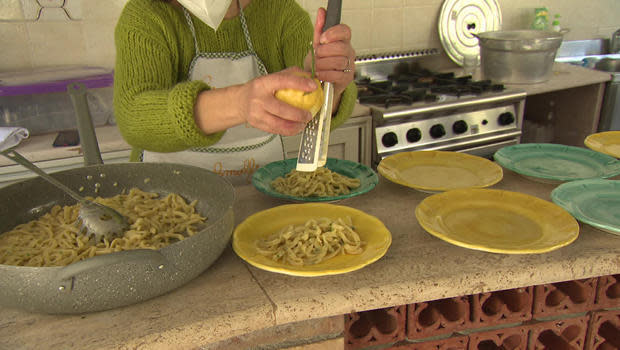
point(54, 239)
point(320, 183)
point(313, 242)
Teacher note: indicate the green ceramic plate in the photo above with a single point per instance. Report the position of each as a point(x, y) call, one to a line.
point(555, 163)
point(595, 202)
point(263, 177)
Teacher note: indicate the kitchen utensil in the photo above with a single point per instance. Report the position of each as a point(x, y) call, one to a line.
point(262, 178)
point(121, 278)
point(594, 201)
point(518, 56)
point(497, 221)
point(554, 163)
point(459, 20)
point(607, 142)
point(315, 137)
point(267, 222)
point(97, 220)
point(436, 171)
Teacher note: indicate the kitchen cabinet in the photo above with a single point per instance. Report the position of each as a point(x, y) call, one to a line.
point(351, 141)
point(566, 108)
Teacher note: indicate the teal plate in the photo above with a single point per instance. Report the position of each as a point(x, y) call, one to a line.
point(263, 177)
point(595, 202)
point(553, 163)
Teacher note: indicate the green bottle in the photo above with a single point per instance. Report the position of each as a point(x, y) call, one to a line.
point(541, 19)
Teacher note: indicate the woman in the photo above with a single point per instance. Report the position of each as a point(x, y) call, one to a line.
point(195, 84)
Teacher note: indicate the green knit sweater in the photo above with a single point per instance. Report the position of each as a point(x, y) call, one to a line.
point(153, 98)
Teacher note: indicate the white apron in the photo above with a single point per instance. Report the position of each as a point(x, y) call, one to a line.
point(242, 149)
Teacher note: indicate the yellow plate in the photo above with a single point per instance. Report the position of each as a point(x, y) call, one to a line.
point(497, 221)
point(270, 221)
point(607, 142)
point(436, 171)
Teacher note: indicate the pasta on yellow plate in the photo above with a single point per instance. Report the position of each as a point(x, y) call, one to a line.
point(54, 239)
point(320, 183)
point(313, 242)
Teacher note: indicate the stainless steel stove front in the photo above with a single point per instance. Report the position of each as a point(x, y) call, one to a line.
point(478, 125)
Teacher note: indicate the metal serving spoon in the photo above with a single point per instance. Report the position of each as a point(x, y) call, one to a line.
point(97, 221)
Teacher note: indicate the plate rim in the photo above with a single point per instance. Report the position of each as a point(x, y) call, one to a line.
point(456, 242)
point(294, 271)
point(482, 160)
point(373, 181)
point(505, 160)
point(558, 192)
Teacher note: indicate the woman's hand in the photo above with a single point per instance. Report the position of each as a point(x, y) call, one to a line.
point(254, 103)
point(265, 112)
point(334, 55)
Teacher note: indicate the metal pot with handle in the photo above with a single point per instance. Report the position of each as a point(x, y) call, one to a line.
point(121, 278)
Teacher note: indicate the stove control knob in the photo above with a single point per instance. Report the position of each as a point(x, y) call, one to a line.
point(459, 127)
point(414, 135)
point(506, 118)
point(389, 139)
point(437, 131)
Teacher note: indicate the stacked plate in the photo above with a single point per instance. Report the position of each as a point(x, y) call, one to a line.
point(438, 171)
point(581, 173)
point(553, 163)
point(607, 142)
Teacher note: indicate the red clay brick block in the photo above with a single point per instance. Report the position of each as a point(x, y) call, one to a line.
point(458, 342)
point(562, 334)
point(438, 317)
point(604, 330)
point(510, 338)
point(375, 327)
point(502, 307)
point(564, 298)
point(608, 292)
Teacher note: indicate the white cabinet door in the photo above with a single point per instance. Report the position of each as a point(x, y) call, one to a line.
point(350, 141)
point(14, 173)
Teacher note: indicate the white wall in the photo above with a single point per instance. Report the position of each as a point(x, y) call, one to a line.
point(378, 26)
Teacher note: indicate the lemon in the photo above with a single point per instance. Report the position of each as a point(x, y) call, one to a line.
point(309, 101)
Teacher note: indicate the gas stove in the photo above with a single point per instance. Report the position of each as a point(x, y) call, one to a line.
point(414, 108)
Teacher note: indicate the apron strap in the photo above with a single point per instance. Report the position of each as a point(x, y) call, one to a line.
point(190, 23)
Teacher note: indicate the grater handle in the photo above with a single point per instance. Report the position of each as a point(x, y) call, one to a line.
point(332, 17)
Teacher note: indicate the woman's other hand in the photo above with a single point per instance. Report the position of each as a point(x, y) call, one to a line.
point(334, 55)
point(254, 103)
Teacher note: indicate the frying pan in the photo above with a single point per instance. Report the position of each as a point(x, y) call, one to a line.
point(122, 278)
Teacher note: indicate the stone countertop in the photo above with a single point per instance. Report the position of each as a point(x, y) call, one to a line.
point(232, 298)
point(565, 76)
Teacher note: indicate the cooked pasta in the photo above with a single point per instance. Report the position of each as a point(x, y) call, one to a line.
point(54, 239)
point(320, 183)
point(313, 242)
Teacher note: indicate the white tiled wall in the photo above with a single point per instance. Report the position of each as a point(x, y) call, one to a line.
point(80, 32)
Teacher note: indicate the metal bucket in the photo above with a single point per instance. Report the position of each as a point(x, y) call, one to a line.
point(519, 56)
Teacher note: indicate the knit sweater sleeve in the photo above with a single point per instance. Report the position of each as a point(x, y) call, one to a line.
point(152, 109)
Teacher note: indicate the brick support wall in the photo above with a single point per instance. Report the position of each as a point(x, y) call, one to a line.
point(571, 315)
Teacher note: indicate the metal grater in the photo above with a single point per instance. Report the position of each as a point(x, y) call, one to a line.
point(315, 138)
point(308, 157)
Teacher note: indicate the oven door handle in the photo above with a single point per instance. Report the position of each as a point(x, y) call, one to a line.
point(482, 141)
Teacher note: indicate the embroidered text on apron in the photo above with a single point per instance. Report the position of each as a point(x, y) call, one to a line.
point(242, 149)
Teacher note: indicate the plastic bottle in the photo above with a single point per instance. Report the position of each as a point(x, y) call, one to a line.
point(555, 25)
point(541, 19)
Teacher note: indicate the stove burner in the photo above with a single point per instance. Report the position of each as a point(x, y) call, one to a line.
point(416, 84)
